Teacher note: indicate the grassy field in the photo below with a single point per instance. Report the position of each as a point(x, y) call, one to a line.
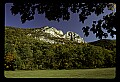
point(105, 73)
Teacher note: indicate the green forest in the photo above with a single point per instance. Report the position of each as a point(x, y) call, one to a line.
point(23, 52)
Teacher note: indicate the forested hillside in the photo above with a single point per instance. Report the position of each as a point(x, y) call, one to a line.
point(105, 43)
point(25, 52)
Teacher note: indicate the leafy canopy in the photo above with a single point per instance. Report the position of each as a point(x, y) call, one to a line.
point(61, 10)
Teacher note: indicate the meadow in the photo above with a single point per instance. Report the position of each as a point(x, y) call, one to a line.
point(104, 73)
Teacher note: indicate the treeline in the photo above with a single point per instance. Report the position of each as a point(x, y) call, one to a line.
point(23, 53)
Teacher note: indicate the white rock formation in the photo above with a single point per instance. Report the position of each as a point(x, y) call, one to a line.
point(73, 36)
point(53, 32)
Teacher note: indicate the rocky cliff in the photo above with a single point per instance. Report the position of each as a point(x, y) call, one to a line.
point(52, 32)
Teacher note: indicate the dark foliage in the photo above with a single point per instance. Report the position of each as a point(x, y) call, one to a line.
point(61, 10)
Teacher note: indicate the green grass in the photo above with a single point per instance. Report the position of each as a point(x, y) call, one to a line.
point(105, 73)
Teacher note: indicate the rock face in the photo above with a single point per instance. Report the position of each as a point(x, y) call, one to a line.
point(54, 33)
point(73, 37)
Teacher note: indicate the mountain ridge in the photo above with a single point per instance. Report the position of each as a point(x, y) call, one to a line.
point(46, 32)
point(25, 51)
point(105, 43)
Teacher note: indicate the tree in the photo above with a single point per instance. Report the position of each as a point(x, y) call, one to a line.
point(9, 61)
point(26, 55)
point(61, 10)
point(94, 56)
point(108, 58)
point(49, 58)
point(38, 56)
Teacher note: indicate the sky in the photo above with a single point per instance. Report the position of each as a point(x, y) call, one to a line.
point(72, 24)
